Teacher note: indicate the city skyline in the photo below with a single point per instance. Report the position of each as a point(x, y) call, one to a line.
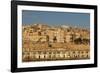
point(56, 18)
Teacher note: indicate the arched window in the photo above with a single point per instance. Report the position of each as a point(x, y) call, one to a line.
point(55, 39)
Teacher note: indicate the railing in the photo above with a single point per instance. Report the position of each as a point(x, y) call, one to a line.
point(55, 55)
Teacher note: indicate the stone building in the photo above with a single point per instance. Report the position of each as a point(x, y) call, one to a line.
point(42, 42)
point(54, 34)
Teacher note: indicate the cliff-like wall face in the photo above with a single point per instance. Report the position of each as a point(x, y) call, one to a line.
point(42, 42)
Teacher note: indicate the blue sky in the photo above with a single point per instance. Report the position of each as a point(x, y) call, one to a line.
point(56, 18)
